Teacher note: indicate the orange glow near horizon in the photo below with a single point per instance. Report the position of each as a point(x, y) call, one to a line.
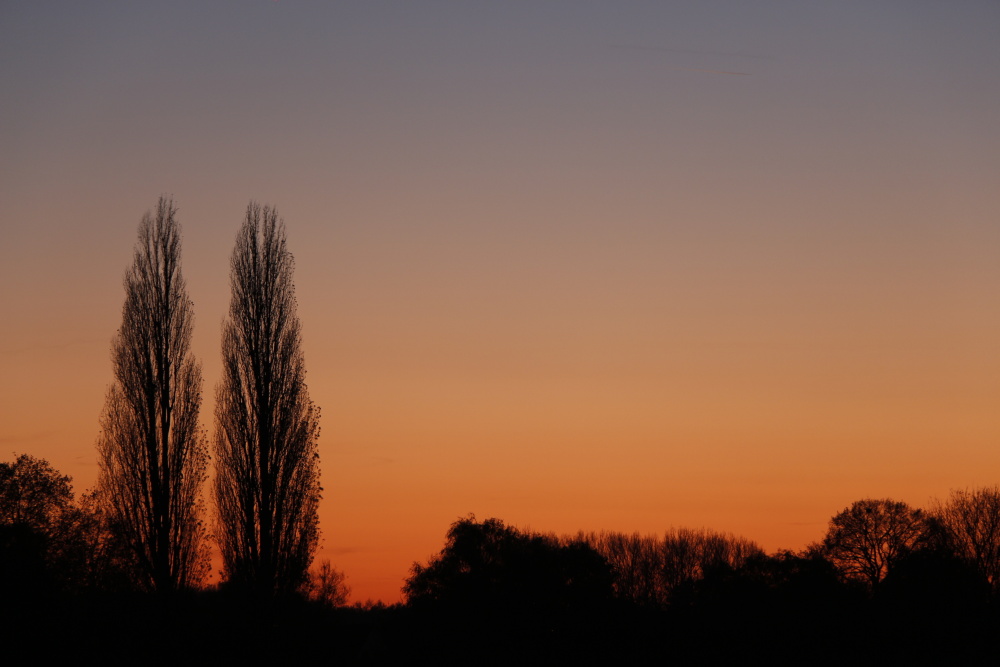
point(541, 277)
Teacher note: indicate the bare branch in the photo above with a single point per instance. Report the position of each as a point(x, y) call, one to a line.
point(153, 455)
point(267, 482)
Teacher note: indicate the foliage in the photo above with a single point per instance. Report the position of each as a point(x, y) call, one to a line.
point(491, 565)
point(48, 541)
point(34, 494)
point(34, 498)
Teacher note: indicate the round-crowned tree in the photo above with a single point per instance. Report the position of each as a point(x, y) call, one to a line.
point(868, 538)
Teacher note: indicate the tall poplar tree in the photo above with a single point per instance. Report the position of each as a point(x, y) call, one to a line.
point(152, 452)
point(267, 467)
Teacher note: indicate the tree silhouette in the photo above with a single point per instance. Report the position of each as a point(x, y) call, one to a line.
point(267, 482)
point(497, 567)
point(690, 556)
point(48, 541)
point(34, 497)
point(648, 570)
point(636, 563)
point(33, 493)
point(972, 522)
point(868, 538)
point(152, 453)
point(328, 586)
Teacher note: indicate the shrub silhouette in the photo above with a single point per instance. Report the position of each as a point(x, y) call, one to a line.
point(492, 566)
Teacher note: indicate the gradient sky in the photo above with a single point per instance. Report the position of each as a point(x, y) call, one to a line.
point(577, 265)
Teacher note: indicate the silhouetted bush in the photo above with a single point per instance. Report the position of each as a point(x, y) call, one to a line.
point(492, 566)
point(495, 594)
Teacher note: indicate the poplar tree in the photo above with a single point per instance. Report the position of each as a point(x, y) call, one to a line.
point(152, 451)
point(267, 467)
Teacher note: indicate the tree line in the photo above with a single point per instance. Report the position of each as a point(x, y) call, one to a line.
point(868, 546)
point(80, 544)
point(883, 574)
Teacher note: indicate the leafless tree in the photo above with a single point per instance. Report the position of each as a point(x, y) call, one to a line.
point(635, 561)
point(267, 467)
point(328, 586)
point(689, 554)
point(868, 538)
point(152, 451)
point(972, 521)
point(647, 570)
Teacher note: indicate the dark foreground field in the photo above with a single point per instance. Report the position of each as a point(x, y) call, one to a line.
point(216, 628)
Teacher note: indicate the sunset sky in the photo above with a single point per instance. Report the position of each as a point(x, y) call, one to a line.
point(576, 265)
